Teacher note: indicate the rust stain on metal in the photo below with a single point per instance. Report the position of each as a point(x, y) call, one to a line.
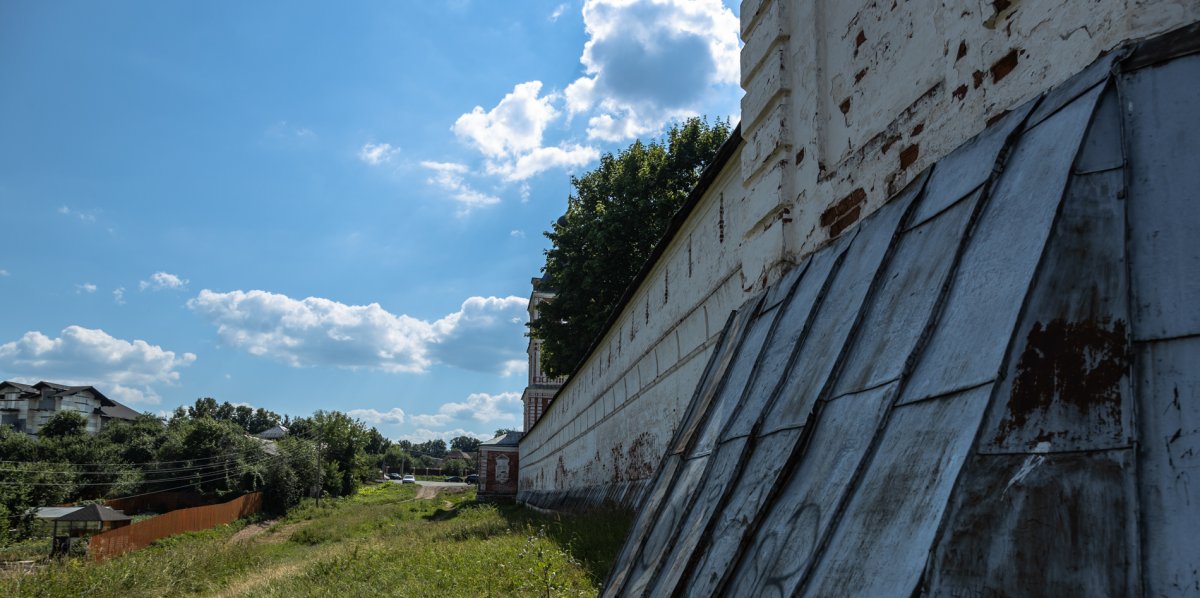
point(1075, 363)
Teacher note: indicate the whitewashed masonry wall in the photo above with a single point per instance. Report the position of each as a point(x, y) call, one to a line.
point(846, 102)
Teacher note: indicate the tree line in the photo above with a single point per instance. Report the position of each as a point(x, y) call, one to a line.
point(206, 448)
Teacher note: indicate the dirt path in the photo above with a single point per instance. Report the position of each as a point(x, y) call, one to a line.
point(427, 492)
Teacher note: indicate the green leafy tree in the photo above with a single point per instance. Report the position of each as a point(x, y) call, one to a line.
point(456, 467)
point(617, 214)
point(204, 407)
point(503, 431)
point(64, 423)
point(466, 444)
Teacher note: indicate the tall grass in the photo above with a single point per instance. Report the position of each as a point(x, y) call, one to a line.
point(381, 541)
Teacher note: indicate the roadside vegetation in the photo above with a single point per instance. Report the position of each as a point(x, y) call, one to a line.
point(387, 539)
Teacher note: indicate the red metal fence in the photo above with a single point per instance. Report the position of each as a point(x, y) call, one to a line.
point(141, 534)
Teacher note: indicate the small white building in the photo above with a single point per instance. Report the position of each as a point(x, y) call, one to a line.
point(27, 407)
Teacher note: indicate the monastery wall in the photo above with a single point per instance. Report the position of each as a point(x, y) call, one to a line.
point(846, 102)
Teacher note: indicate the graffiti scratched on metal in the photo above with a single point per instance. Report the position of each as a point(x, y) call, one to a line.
point(950, 410)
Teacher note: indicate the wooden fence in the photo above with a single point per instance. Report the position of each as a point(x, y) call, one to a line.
point(141, 534)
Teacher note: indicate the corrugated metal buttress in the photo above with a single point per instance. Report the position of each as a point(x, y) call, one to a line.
point(989, 387)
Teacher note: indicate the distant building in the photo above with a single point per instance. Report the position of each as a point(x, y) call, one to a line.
point(542, 388)
point(27, 407)
point(273, 433)
point(498, 467)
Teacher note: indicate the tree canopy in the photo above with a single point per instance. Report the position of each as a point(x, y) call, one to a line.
point(614, 218)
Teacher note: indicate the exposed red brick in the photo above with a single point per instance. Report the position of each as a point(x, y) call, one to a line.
point(1004, 66)
point(845, 106)
point(859, 75)
point(960, 92)
point(978, 77)
point(909, 155)
point(799, 156)
point(992, 120)
point(845, 221)
point(844, 206)
point(962, 51)
point(860, 40)
point(917, 129)
point(888, 143)
point(1000, 5)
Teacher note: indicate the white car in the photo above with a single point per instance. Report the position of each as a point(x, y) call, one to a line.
point(409, 479)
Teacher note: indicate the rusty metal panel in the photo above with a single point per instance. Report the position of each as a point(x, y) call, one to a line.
point(835, 318)
point(788, 337)
point(1162, 107)
point(901, 308)
point(1067, 384)
point(1040, 525)
point(728, 533)
point(967, 167)
point(787, 539)
point(999, 262)
point(880, 546)
point(1168, 387)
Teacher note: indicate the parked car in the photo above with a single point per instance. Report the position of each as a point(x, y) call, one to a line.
point(472, 479)
point(395, 476)
point(408, 479)
point(453, 478)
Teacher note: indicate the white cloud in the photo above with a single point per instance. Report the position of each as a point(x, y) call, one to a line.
point(425, 434)
point(86, 287)
point(481, 408)
point(394, 415)
point(85, 216)
point(558, 12)
point(515, 126)
point(543, 159)
point(480, 336)
point(377, 153)
point(649, 61)
point(516, 234)
point(450, 177)
point(119, 295)
point(127, 370)
point(510, 135)
point(162, 280)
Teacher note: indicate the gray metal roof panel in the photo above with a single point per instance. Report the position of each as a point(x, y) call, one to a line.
point(1162, 109)
point(967, 167)
point(880, 546)
point(838, 312)
point(1168, 391)
point(998, 264)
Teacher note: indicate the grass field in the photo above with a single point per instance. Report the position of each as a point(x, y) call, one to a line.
point(384, 541)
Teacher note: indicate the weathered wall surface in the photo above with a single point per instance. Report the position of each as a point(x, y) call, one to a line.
point(846, 102)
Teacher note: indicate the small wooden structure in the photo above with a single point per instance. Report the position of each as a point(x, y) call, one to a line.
point(85, 520)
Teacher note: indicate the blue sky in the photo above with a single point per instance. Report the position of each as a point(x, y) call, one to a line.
point(305, 206)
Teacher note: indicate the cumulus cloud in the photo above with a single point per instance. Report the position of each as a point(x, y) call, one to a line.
point(377, 153)
point(425, 434)
point(86, 287)
point(119, 295)
point(162, 280)
point(481, 336)
point(394, 415)
point(510, 135)
point(491, 410)
point(449, 176)
point(127, 370)
point(648, 61)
